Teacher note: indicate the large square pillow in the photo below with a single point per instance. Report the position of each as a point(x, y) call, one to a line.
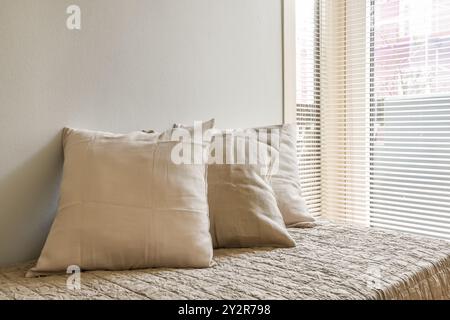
point(125, 204)
point(285, 180)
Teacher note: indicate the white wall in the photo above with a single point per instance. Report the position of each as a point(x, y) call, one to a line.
point(135, 64)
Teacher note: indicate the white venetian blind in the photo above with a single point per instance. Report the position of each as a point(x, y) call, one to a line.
point(385, 113)
point(308, 101)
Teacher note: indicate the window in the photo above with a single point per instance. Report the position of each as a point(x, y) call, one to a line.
point(410, 145)
point(373, 103)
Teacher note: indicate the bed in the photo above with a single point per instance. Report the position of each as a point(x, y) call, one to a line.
point(330, 262)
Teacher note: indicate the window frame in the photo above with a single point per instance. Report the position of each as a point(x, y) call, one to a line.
point(289, 61)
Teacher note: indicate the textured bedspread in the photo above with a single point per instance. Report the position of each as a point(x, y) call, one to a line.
point(329, 262)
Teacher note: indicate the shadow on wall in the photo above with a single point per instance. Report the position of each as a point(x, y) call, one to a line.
point(28, 202)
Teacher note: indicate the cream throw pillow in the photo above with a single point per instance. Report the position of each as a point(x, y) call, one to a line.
point(242, 205)
point(286, 180)
point(125, 205)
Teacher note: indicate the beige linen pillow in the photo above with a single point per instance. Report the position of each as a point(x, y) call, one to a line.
point(242, 206)
point(286, 180)
point(124, 205)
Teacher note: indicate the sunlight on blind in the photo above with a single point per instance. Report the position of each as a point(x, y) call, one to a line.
point(385, 113)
